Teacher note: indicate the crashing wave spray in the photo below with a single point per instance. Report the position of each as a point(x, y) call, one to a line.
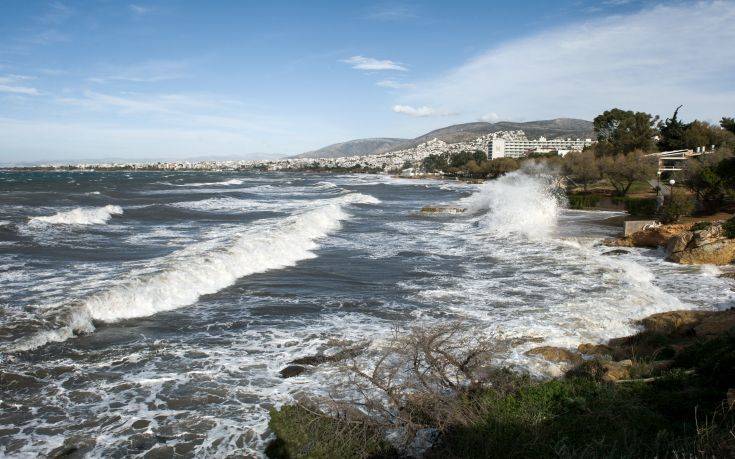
point(524, 202)
point(284, 243)
point(80, 216)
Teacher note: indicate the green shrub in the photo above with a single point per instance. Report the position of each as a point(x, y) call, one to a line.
point(305, 431)
point(583, 201)
point(701, 226)
point(638, 207)
point(676, 205)
point(729, 227)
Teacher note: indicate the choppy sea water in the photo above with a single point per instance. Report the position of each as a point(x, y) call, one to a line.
point(151, 312)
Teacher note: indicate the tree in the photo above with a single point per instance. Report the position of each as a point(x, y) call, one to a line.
point(581, 168)
point(728, 124)
point(620, 131)
point(672, 133)
point(726, 170)
point(703, 134)
point(703, 178)
point(501, 166)
point(676, 205)
point(624, 170)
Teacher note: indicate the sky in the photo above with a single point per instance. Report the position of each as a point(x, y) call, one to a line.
point(150, 80)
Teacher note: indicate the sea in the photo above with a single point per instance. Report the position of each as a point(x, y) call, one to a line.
point(149, 313)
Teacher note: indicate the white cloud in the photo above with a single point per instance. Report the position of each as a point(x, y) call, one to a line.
point(392, 12)
point(369, 63)
point(393, 84)
point(652, 60)
point(140, 10)
point(9, 84)
point(422, 111)
point(491, 117)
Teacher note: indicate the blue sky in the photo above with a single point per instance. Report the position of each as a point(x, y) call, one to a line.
point(177, 79)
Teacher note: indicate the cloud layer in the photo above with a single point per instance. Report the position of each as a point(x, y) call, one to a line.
point(369, 63)
point(652, 60)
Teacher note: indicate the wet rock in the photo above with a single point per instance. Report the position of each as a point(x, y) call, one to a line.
point(670, 322)
point(716, 324)
point(319, 359)
point(555, 354)
point(653, 237)
point(141, 424)
point(615, 371)
point(600, 370)
point(594, 349)
point(291, 371)
point(728, 275)
point(706, 246)
point(616, 252)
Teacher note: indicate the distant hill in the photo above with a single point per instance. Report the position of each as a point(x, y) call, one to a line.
point(357, 147)
point(552, 129)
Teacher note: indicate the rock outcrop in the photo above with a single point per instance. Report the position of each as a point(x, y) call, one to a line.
point(555, 354)
point(651, 237)
point(705, 246)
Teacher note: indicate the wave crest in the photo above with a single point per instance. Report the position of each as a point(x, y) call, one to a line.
point(282, 243)
point(518, 203)
point(80, 216)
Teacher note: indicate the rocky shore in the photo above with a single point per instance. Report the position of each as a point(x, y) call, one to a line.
point(692, 243)
point(666, 391)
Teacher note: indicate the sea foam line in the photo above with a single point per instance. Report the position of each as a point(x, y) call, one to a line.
point(79, 216)
point(284, 243)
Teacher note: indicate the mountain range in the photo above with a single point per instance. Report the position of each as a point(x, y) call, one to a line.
point(552, 129)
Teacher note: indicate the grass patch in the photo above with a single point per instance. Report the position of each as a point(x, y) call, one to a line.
point(304, 431)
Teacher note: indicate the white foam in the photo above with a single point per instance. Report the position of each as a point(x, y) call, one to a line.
point(80, 216)
point(517, 203)
point(283, 243)
point(225, 183)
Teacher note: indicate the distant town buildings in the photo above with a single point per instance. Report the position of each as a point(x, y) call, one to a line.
point(517, 146)
point(497, 145)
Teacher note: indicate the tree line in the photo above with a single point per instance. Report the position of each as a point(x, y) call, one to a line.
point(621, 157)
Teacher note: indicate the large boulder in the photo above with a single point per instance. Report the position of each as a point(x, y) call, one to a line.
point(555, 354)
point(705, 246)
point(672, 322)
point(651, 237)
point(716, 324)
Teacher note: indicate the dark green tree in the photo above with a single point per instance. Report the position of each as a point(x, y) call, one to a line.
point(673, 133)
point(728, 123)
point(621, 131)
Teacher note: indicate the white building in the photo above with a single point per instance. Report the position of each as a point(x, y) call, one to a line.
point(519, 146)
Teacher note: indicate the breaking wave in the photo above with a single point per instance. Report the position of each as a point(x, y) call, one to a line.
point(518, 203)
point(226, 182)
point(283, 243)
point(80, 216)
